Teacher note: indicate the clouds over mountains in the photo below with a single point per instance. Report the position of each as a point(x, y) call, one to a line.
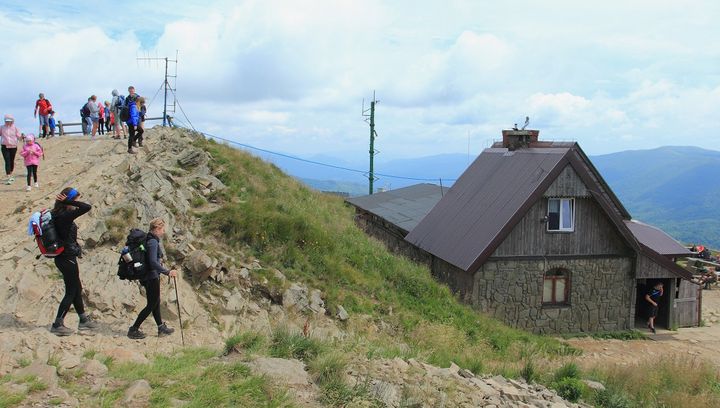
point(291, 75)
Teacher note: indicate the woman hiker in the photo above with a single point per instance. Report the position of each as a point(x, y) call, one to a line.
point(9, 134)
point(151, 282)
point(66, 210)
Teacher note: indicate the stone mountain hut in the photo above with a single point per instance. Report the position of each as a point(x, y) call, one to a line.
point(531, 234)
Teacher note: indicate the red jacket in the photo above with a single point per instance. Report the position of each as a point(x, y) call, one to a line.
point(42, 106)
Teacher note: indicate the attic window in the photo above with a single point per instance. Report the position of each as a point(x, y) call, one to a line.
point(556, 285)
point(561, 214)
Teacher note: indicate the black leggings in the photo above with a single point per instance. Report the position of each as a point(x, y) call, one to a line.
point(73, 287)
point(131, 135)
point(101, 126)
point(108, 124)
point(152, 291)
point(9, 157)
point(32, 171)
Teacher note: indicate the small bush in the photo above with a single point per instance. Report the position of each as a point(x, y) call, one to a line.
point(529, 372)
point(609, 398)
point(327, 367)
point(569, 388)
point(250, 342)
point(569, 370)
point(294, 345)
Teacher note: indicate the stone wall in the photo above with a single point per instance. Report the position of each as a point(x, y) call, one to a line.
point(392, 236)
point(602, 292)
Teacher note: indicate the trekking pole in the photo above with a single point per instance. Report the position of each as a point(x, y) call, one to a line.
point(177, 299)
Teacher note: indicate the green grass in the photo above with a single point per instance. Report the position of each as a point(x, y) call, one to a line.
point(249, 342)
point(608, 335)
point(285, 344)
point(311, 237)
point(197, 377)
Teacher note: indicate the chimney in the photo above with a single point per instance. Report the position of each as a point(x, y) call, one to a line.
point(516, 139)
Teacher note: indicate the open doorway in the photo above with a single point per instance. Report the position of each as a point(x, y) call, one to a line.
point(642, 307)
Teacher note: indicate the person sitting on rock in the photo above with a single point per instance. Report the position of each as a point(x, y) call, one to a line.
point(151, 282)
point(66, 210)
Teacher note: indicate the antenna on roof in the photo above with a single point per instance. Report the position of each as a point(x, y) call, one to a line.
point(527, 121)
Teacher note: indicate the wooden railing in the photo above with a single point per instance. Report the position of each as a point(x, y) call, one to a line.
point(62, 127)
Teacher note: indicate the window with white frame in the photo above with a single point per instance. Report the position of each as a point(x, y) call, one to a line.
point(556, 287)
point(561, 214)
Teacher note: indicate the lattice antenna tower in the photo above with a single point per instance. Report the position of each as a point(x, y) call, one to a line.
point(166, 84)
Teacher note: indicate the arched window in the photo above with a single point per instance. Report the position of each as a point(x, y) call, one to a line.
point(556, 287)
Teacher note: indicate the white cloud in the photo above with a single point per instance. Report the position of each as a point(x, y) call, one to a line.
point(290, 75)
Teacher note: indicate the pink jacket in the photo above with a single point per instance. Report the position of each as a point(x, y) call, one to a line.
point(32, 154)
point(9, 134)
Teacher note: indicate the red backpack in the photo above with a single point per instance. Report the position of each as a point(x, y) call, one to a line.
point(46, 237)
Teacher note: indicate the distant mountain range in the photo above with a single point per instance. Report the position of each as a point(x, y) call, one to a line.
point(676, 188)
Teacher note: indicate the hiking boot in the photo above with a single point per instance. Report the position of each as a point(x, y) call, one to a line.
point(139, 144)
point(653, 330)
point(28, 188)
point(88, 324)
point(131, 151)
point(61, 330)
point(135, 334)
point(164, 330)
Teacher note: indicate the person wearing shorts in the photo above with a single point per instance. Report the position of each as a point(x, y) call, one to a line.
point(42, 109)
point(653, 297)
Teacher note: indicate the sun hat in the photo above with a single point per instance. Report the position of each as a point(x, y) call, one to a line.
point(9, 118)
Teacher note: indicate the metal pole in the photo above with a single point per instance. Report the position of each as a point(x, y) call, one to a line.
point(177, 299)
point(371, 176)
point(165, 100)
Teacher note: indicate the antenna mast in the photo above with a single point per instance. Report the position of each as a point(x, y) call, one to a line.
point(370, 118)
point(166, 84)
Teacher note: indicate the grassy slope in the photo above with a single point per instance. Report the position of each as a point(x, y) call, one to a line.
point(311, 237)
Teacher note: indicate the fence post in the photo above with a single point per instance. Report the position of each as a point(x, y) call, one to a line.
point(60, 126)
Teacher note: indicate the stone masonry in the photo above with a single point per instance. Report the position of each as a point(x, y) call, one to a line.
point(601, 294)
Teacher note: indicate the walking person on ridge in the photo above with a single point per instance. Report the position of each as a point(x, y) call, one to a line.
point(9, 136)
point(151, 282)
point(64, 213)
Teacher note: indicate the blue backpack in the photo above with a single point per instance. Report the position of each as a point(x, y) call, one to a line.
point(120, 102)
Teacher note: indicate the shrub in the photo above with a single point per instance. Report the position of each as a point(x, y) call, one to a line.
point(529, 372)
point(569, 388)
point(247, 341)
point(609, 398)
point(568, 370)
point(294, 345)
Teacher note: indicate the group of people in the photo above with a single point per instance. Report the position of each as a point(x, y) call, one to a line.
point(66, 210)
point(123, 115)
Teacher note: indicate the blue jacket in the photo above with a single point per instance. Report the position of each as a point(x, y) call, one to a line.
point(134, 114)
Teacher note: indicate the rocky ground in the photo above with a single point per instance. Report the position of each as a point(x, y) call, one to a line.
point(219, 295)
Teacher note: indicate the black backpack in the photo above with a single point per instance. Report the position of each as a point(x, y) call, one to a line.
point(124, 113)
point(85, 111)
point(133, 261)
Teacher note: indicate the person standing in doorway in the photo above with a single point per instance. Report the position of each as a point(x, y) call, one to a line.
point(42, 107)
point(653, 297)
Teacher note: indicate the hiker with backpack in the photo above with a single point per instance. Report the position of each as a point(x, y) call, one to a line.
point(94, 109)
point(118, 101)
point(67, 208)
point(31, 153)
point(9, 136)
point(151, 280)
point(85, 117)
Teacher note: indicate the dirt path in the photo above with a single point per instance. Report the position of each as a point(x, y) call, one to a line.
point(701, 342)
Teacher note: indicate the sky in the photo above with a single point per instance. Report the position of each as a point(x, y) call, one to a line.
point(291, 76)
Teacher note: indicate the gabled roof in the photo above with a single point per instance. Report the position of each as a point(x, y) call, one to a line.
point(656, 239)
point(500, 186)
point(404, 207)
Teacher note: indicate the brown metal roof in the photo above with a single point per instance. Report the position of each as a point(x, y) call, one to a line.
point(656, 239)
point(404, 207)
point(480, 206)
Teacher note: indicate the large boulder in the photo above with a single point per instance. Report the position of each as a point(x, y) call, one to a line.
point(287, 371)
point(200, 265)
point(138, 394)
point(44, 372)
